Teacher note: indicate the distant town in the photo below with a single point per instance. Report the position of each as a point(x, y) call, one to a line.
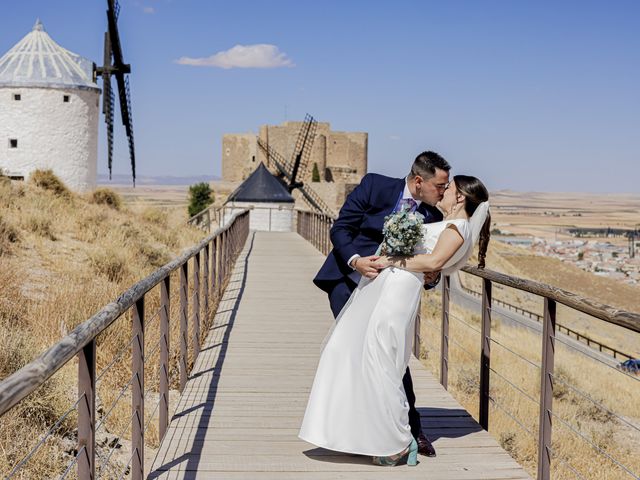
point(596, 256)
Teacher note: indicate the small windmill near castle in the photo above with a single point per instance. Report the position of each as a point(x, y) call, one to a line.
point(298, 166)
point(49, 107)
point(268, 194)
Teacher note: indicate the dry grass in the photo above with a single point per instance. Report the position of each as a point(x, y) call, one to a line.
point(615, 391)
point(62, 258)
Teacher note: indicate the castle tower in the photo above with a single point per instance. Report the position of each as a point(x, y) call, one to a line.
point(48, 111)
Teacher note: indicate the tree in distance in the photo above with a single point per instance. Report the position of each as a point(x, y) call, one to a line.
point(200, 197)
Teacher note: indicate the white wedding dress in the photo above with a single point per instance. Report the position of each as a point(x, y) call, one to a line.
point(358, 403)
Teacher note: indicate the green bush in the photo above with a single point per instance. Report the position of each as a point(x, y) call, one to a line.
point(200, 197)
point(315, 173)
point(47, 180)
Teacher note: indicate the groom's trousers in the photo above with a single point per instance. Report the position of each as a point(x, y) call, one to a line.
point(338, 296)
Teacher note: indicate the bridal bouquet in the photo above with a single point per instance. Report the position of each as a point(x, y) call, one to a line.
point(402, 231)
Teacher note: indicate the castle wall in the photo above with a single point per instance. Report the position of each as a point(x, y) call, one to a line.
point(341, 157)
point(50, 133)
point(239, 158)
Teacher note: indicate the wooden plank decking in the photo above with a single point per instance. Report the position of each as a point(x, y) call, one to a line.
point(240, 412)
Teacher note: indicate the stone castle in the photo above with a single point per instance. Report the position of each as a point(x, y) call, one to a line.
point(340, 157)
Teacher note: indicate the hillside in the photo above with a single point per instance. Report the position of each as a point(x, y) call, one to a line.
point(62, 257)
point(520, 262)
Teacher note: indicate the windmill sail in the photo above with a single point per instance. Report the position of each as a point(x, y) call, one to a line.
point(114, 66)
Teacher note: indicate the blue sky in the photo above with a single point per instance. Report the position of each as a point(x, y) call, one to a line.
point(540, 96)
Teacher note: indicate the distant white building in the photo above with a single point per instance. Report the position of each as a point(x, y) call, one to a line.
point(48, 111)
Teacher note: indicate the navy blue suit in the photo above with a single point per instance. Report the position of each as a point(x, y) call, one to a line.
point(358, 229)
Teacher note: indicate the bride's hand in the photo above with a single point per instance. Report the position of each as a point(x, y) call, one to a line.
point(384, 261)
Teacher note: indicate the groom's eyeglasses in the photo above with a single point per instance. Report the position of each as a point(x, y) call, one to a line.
point(442, 186)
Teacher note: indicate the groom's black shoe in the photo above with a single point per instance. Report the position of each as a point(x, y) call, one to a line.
point(425, 447)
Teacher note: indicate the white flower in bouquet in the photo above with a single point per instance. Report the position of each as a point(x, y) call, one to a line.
point(402, 231)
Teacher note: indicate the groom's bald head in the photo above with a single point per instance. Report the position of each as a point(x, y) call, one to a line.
point(426, 164)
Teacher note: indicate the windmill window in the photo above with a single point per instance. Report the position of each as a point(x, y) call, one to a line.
point(13, 143)
point(65, 98)
point(253, 158)
point(17, 97)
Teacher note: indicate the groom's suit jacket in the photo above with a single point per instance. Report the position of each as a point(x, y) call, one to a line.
point(358, 229)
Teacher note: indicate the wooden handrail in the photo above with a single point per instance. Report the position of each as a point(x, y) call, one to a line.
point(21, 383)
point(604, 312)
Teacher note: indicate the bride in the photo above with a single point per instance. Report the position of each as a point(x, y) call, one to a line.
point(358, 403)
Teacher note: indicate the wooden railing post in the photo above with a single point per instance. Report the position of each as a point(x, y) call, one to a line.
point(205, 283)
point(184, 311)
point(444, 340)
point(165, 308)
point(195, 309)
point(137, 392)
point(485, 356)
point(86, 411)
point(546, 388)
point(212, 271)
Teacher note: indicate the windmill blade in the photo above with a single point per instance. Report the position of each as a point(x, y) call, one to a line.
point(310, 196)
point(278, 160)
point(107, 109)
point(303, 136)
point(124, 93)
point(116, 47)
point(305, 148)
point(313, 199)
point(114, 66)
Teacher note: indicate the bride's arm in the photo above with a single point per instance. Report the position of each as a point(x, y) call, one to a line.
point(448, 244)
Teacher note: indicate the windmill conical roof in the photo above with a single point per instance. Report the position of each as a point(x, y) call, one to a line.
point(261, 186)
point(38, 61)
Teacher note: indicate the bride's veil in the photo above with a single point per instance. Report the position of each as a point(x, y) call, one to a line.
point(476, 222)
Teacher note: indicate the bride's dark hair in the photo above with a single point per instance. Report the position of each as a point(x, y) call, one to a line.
point(475, 193)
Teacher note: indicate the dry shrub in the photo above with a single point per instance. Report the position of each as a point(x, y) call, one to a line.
point(109, 263)
point(106, 196)
point(8, 236)
point(508, 441)
point(41, 224)
point(467, 381)
point(561, 379)
point(155, 216)
point(12, 304)
point(48, 180)
point(154, 256)
point(92, 225)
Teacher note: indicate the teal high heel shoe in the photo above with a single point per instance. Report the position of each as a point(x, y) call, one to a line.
point(411, 452)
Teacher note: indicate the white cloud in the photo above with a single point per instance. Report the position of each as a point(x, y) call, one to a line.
point(149, 10)
point(242, 56)
point(394, 137)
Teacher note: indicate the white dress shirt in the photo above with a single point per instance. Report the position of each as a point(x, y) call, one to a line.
point(405, 194)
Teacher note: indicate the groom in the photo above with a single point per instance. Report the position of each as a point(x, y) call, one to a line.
point(357, 232)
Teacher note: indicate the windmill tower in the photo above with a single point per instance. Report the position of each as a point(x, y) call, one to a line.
point(48, 111)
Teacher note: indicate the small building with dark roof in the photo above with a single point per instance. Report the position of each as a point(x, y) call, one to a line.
point(268, 198)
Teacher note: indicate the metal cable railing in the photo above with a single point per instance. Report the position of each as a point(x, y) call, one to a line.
point(212, 261)
point(589, 442)
point(495, 403)
point(44, 438)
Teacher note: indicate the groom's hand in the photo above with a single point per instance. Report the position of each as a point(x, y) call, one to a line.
point(431, 279)
point(368, 266)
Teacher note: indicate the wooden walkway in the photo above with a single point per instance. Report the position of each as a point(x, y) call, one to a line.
point(239, 415)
